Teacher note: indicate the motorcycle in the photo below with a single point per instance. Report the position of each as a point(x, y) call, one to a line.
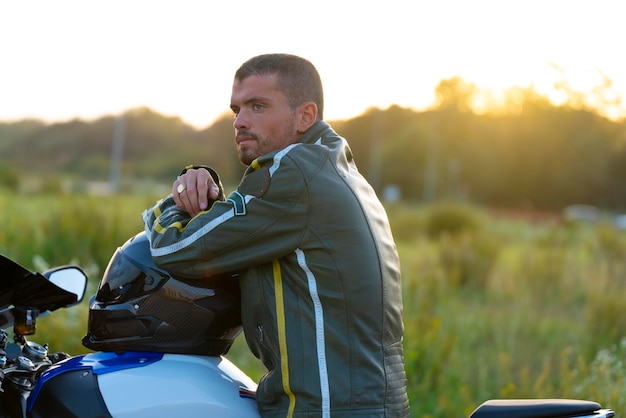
point(159, 346)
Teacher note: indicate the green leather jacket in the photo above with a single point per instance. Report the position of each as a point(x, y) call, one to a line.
point(319, 275)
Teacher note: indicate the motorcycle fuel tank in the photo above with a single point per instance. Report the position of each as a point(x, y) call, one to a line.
point(155, 385)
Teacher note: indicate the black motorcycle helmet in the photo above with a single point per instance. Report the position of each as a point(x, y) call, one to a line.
point(140, 307)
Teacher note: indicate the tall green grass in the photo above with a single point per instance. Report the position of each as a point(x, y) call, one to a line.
point(47, 230)
point(503, 308)
point(493, 308)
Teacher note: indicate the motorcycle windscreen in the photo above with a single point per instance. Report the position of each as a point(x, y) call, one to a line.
point(21, 287)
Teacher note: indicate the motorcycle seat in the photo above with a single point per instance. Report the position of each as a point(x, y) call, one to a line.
point(535, 408)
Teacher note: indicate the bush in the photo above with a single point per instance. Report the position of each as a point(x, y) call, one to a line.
point(468, 259)
point(451, 218)
point(9, 177)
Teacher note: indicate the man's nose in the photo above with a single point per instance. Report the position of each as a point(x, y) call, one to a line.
point(240, 121)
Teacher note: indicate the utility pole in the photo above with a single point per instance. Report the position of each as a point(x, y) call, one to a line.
point(375, 163)
point(117, 152)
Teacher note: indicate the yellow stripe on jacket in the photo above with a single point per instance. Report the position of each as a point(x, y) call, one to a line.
point(282, 336)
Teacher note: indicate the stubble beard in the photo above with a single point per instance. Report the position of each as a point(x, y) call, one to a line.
point(248, 154)
point(245, 158)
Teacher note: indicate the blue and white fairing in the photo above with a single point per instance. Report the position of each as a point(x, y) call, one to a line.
point(136, 384)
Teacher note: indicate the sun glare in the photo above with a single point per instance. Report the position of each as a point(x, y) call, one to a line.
point(580, 89)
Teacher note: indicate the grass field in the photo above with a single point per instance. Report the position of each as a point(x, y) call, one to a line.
point(493, 307)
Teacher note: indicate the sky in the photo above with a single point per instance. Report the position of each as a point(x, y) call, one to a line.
point(67, 59)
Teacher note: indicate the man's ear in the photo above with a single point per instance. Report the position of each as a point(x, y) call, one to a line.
point(307, 116)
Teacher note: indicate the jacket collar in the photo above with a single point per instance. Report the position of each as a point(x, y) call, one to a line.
point(317, 130)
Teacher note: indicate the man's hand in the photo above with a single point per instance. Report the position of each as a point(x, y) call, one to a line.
point(192, 191)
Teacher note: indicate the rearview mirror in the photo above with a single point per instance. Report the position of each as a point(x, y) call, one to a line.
point(71, 279)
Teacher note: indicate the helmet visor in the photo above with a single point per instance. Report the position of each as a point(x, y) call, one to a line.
point(123, 280)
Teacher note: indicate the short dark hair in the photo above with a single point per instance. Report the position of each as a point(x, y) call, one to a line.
point(298, 78)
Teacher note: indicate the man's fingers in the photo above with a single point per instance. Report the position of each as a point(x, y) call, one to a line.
point(192, 196)
point(180, 195)
point(192, 191)
point(176, 190)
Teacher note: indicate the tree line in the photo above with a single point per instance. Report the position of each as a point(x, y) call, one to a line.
point(529, 153)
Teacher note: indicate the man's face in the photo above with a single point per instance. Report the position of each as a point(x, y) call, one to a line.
point(264, 122)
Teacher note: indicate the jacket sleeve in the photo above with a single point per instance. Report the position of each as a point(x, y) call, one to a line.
point(261, 221)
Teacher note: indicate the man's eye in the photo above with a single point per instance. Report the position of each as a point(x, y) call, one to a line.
point(257, 106)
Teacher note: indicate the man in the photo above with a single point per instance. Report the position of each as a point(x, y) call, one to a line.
point(318, 268)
